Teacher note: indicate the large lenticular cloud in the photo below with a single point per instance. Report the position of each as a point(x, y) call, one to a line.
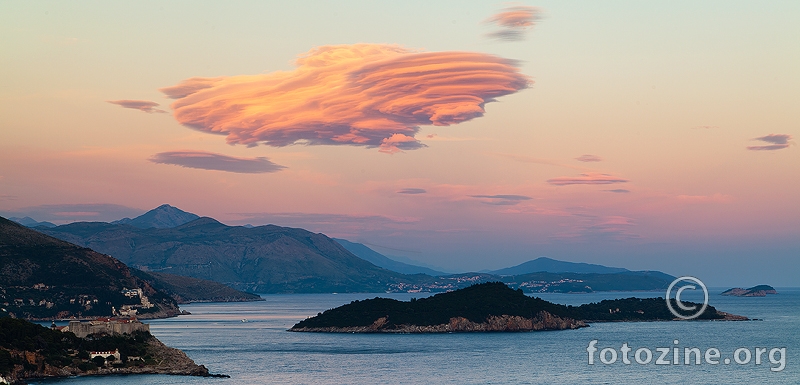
point(364, 94)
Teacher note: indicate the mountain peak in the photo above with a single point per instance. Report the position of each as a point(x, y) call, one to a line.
point(161, 217)
point(550, 265)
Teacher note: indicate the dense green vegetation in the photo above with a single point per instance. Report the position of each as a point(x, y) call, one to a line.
point(63, 349)
point(478, 302)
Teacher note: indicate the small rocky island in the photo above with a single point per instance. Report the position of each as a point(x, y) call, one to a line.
point(485, 307)
point(31, 351)
point(755, 291)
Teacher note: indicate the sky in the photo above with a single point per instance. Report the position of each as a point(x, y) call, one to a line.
point(461, 135)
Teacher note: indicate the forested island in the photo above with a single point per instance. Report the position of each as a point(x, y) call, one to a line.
point(491, 306)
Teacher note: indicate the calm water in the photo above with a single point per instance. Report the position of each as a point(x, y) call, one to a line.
point(261, 351)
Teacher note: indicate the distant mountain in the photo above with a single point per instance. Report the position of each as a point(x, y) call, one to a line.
point(161, 217)
point(378, 259)
point(30, 222)
point(263, 259)
point(42, 278)
point(549, 265)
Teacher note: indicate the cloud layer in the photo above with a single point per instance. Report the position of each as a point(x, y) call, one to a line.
point(779, 141)
point(412, 191)
point(372, 95)
point(502, 199)
point(514, 21)
point(211, 161)
point(586, 178)
point(141, 105)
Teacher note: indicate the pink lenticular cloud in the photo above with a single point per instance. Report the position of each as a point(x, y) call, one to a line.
point(141, 105)
point(586, 178)
point(372, 95)
point(779, 141)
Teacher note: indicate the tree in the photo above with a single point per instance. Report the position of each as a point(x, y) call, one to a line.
point(99, 361)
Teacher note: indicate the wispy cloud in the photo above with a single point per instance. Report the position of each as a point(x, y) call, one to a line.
point(589, 158)
point(779, 141)
point(513, 22)
point(412, 191)
point(704, 127)
point(715, 198)
point(372, 95)
point(502, 199)
point(586, 178)
point(590, 228)
point(141, 105)
point(211, 161)
point(619, 191)
point(549, 162)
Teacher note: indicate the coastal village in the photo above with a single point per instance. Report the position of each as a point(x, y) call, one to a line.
point(22, 301)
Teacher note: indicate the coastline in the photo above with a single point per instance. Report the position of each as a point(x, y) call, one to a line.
point(165, 360)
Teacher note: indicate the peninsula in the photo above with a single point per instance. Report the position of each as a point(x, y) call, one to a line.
point(484, 307)
point(31, 351)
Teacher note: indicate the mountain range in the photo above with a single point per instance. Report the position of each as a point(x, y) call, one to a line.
point(274, 259)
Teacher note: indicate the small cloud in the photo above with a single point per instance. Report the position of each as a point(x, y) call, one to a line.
point(412, 191)
point(716, 198)
point(399, 142)
point(586, 178)
point(513, 21)
point(502, 199)
point(371, 95)
point(779, 141)
point(589, 158)
point(141, 105)
point(704, 127)
point(619, 191)
point(211, 161)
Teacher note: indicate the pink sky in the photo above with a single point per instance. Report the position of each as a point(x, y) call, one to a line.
point(646, 136)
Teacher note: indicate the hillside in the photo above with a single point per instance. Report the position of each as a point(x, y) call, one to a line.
point(188, 289)
point(42, 277)
point(490, 306)
point(263, 259)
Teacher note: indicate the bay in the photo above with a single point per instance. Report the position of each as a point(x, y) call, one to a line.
point(261, 351)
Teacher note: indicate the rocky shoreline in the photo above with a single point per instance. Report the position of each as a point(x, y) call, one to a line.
point(167, 360)
point(505, 323)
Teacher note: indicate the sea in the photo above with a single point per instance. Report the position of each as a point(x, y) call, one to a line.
point(250, 343)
